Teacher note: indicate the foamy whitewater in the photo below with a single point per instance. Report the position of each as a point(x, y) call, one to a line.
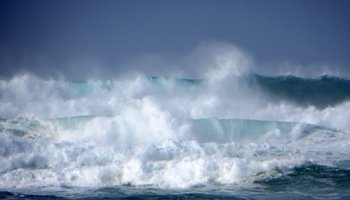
point(228, 132)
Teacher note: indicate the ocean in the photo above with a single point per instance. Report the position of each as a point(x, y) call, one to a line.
point(247, 136)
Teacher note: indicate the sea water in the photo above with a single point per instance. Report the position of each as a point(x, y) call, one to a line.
point(242, 136)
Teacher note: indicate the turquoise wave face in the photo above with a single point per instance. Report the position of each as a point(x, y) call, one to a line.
point(202, 130)
point(226, 130)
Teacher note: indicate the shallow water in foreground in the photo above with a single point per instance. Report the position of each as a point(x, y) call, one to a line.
point(306, 182)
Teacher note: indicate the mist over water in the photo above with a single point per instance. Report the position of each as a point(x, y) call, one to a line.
point(218, 125)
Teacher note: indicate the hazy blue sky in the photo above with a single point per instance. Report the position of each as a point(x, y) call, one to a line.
point(69, 37)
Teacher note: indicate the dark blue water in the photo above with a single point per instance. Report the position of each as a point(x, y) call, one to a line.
point(320, 92)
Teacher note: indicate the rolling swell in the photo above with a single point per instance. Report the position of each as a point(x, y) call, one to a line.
point(320, 92)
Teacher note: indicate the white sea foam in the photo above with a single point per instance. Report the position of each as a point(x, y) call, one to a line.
point(97, 153)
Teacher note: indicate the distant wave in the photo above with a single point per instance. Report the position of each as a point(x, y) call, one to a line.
point(320, 92)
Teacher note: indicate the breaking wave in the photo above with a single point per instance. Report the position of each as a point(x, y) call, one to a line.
point(169, 132)
point(227, 126)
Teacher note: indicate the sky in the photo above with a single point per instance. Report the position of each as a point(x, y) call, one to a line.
point(81, 39)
